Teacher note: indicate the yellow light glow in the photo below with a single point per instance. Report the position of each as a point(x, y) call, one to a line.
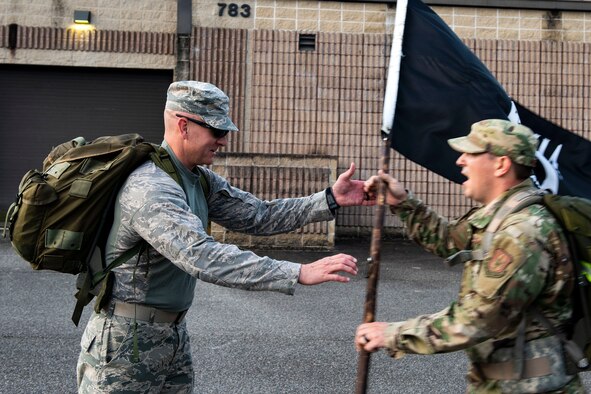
point(81, 28)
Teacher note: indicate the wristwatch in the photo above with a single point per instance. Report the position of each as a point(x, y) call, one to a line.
point(331, 201)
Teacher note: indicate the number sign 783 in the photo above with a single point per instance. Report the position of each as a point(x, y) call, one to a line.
point(234, 10)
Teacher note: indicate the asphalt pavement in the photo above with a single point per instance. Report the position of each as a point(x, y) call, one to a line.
point(246, 342)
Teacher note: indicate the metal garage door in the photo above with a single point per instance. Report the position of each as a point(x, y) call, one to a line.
point(43, 106)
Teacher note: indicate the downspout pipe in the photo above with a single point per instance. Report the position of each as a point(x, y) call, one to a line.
point(184, 26)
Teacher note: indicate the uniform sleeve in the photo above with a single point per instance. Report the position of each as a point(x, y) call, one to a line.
point(159, 214)
point(241, 211)
point(492, 301)
point(432, 231)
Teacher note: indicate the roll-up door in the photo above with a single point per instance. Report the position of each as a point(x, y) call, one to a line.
point(42, 106)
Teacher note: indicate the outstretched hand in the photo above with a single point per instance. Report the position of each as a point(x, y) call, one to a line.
point(349, 192)
point(327, 269)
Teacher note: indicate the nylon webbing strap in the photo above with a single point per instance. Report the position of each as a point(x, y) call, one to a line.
point(532, 368)
point(514, 203)
point(458, 258)
point(122, 258)
point(162, 159)
point(518, 351)
point(203, 181)
point(463, 256)
point(571, 348)
point(84, 296)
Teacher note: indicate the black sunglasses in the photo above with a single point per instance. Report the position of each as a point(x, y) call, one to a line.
point(217, 133)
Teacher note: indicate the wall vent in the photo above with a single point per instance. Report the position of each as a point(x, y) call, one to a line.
point(307, 42)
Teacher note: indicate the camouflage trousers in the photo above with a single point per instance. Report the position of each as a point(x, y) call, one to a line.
point(575, 386)
point(555, 380)
point(107, 363)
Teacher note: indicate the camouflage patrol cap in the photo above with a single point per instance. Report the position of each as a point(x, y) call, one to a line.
point(203, 99)
point(501, 138)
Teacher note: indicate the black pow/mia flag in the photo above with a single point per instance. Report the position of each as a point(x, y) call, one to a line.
point(564, 158)
point(444, 88)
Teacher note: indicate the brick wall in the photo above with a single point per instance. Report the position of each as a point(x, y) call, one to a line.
point(298, 15)
point(323, 102)
point(271, 176)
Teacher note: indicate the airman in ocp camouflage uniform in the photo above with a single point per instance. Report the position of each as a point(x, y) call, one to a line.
point(139, 342)
point(528, 264)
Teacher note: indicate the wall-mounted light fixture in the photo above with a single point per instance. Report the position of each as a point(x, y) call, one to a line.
point(82, 17)
point(81, 23)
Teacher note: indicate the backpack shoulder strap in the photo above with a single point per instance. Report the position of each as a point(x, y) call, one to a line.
point(204, 181)
point(84, 296)
point(514, 203)
point(162, 159)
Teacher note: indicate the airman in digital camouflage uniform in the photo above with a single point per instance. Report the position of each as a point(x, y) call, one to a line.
point(139, 342)
point(527, 264)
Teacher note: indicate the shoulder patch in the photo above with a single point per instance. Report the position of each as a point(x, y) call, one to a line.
point(498, 263)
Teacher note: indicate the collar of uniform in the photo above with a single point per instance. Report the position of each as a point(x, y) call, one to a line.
point(192, 177)
point(482, 217)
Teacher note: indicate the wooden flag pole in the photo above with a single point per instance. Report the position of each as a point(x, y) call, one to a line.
point(376, 236)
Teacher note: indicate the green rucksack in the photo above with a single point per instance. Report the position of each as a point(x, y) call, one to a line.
point(63, 214)
point(574, 216)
